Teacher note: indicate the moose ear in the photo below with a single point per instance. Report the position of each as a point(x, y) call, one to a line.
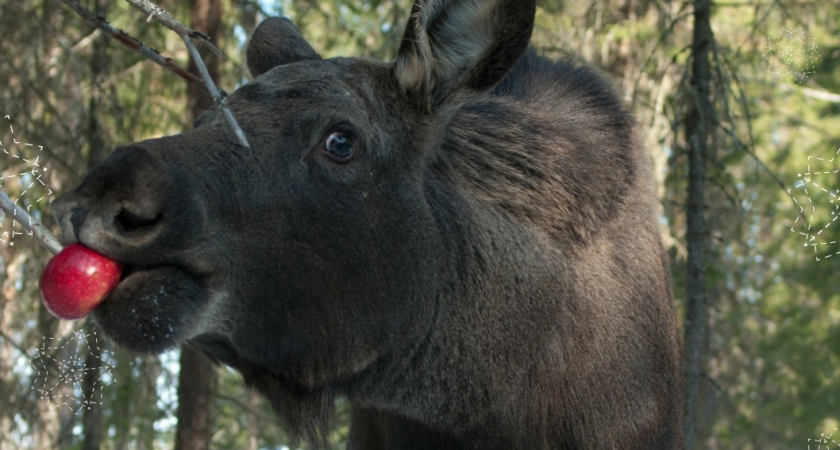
point(453, 48)
point(276, 42)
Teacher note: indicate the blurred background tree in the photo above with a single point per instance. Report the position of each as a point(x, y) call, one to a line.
point(770, 347)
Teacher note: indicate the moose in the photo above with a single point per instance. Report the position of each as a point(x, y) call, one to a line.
point(463, 243)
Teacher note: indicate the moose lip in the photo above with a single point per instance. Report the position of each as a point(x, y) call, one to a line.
point(141, 313)
point(128, 270)
point(134, 276)
point(132, 271)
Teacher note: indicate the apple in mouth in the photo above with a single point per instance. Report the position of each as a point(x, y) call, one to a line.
point(76, 280)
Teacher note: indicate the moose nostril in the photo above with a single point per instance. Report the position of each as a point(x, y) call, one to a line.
point(128, 221)
point(77, 220)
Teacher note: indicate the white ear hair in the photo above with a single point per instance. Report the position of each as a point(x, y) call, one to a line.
point(458, 42)
point(452, 48)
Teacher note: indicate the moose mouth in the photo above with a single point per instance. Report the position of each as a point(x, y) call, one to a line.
point(130, 269)
point(153, 308)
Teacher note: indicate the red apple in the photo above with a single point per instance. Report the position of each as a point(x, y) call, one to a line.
point(76, 281)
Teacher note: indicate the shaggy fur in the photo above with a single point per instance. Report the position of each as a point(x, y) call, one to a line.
point(484, 273)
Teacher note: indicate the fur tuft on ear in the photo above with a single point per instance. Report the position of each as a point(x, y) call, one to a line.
point(276, 42)
point(454, 48)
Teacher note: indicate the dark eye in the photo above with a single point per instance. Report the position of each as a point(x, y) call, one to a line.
point(339, 146)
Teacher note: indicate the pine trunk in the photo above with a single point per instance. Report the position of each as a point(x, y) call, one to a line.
point(196, 380)
point(698, 130)
point(92, 415)
point(195, 398)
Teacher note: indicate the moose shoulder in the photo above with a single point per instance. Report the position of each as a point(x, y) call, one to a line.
point(463, 243)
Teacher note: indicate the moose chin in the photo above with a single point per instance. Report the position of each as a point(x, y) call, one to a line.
point(462, 242)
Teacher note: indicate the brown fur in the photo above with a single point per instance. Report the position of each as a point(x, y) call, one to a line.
point(485, 273)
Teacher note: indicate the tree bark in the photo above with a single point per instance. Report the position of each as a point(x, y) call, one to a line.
point(196, 381)
point(97, 152)
point(206, 17)
point(195, 398)
point(147, 410)
point(92, 415)
point(253, 420)
point(698, 130)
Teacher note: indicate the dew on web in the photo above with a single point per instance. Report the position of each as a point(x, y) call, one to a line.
point(791, 55)
point(24, 177)
point(818, 206)
point(60, 366)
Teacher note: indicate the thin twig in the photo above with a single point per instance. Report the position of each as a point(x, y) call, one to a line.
point(721, 80)
point(23, 350)
point(138, 47)
point(30, 223)
point(159, 14)
point(204, 81)
point(662, 36)
point(813, 93)
point(747, 147)
point(187, 36)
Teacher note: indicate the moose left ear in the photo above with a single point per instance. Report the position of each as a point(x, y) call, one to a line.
point(276, 42)
point(453, 48)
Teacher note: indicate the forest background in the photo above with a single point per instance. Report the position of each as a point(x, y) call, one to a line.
point(762, 322)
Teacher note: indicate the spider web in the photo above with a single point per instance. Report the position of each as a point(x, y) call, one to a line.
point(824, 442)
point(791, 55)
point(54, 374)
point(809, 182)
point(22, 177)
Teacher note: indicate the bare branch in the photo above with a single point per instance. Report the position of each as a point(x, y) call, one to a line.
point(23, 350)
point(187, 36)
point(204, 81)
point(723, 67)
point(158, 13)
point(30, 223)
point(238, 131)
point(813, 93)
point(138, 47)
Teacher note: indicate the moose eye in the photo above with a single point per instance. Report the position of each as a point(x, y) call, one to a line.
point(339, 146)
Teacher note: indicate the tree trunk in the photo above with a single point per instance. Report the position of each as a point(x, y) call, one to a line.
point(195, 398)
point(196, 380)
point(92, 415)
point(97, 151)
point(253, 420)
point(698, 131)
point(124, 401)
point(147, 411)
point(206, 17)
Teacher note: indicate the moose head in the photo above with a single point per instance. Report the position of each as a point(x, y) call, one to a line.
point(463, 242)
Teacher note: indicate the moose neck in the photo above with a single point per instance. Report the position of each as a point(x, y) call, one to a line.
point(506, 187)
point(488, 328)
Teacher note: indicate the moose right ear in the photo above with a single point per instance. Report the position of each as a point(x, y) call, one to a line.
point(276, 42)
point(455, 48)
